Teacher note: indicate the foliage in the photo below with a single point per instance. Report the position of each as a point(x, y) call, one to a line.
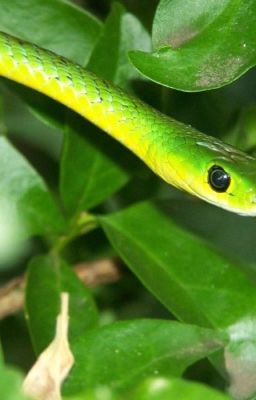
point(70, 194)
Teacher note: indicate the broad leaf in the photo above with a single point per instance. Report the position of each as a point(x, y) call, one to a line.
point(193, 280)
point(121, 354)
point(229, 232)
point(200, 46)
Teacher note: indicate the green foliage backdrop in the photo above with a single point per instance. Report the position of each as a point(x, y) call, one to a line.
point(70, 194)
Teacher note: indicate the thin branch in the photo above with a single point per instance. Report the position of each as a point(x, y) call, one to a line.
point(94, 273)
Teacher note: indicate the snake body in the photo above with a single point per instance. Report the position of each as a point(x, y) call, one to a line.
point(179, 154)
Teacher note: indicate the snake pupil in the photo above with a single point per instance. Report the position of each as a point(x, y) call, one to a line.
point(218, 179)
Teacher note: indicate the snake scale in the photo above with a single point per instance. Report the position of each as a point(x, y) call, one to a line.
point(199, 164)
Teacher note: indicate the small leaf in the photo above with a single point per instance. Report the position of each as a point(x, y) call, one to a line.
point(200, 46)
point(46, 279)
point(163, 388)
point(26, 192)
point(194, 281)
point(120, 355)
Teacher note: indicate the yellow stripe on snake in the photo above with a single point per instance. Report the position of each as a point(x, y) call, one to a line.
point(194, 162)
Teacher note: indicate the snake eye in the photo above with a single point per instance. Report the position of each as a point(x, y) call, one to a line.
point(218, 179)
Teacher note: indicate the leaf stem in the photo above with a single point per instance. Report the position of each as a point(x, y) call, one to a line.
point(79, 225)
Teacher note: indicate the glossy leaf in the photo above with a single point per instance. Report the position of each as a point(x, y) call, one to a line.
point(47, 278)
point(25, 192)
point(200, 46)
point(121, 354)
point(192, 279)
point(162, 389)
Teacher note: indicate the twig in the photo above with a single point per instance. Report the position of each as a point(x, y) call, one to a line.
point(94, 273)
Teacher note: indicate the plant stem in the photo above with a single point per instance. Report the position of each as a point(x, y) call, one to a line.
point(79, 225)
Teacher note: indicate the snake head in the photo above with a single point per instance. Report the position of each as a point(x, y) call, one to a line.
point(228, 178)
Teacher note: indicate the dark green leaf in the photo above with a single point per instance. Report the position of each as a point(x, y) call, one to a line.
point(122, 32)
point(89, 172)
point(121, 354)
point(47, 278)
point(193, 280)
point(25, 192)
point(242, 134)
point(229, 232)
point(200, 46)
point(162, 389)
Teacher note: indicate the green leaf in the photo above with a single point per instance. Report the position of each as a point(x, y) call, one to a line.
point(200, 46)
point(29, 130)
point(121, 354)
point(101, 393)
point(163, 388)
point(193, 280)
point(11, 384)
point(91, 169)
point(47, 278)
point(218, 227)
point(26, 194)
point(58, 26)
point(122, 32)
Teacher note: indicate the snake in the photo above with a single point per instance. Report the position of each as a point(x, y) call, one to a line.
point(191, 161)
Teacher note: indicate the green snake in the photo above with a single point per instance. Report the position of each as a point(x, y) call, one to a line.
point(187, 159)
